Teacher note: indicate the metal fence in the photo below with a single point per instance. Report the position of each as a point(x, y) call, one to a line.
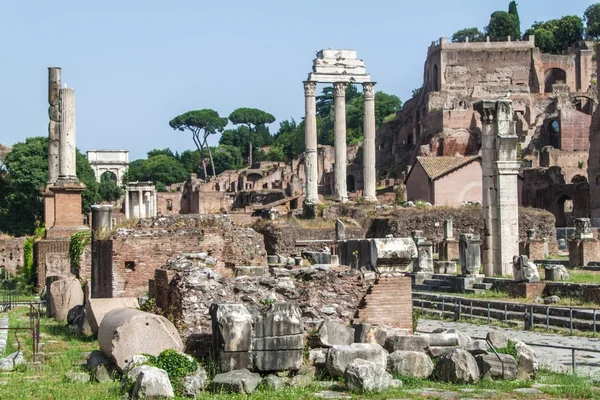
point(32, 328)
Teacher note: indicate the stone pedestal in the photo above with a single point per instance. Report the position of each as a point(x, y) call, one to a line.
point(535, 249)
point(101, 218)
point(449, 250)
point(470, 254)
point(425, 258)
point(444, 267)
point(68, 217)
point(48, 197)
point(582, 251)
point(526, 290)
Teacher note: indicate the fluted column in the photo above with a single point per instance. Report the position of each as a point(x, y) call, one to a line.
point(339, 140)
point(369, 178)
point(54, 78)
point(67, 145)
point(310, 142)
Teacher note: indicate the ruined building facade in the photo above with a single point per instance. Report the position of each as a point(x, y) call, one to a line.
point(554, 97)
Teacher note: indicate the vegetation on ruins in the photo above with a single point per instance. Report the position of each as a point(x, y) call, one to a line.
point(252, 118)
point(77, 245)
point(206, 122)
point(470, 34)
point(592, 21)
point(108, 189)
point(553, 36)
point(21, 182)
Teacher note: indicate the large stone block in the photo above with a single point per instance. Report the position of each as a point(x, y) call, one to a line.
point(279, 360)
point(459, 366)
point(339, 357)
point(384, 255)
point(239, 381)
point(333, 333)
point(410, 363)
point(367, 376)
point(96, 309)
point(280, 319)
point(152, 383)
point(65, 294)
point(231, 327)
point(406, 343)
point(366, 333)
point(125, 332)
point(491, 366)
point(525, 270)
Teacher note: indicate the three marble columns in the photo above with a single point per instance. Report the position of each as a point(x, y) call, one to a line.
point(310, 136)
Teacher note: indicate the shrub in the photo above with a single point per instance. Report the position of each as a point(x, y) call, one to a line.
point(177, 365)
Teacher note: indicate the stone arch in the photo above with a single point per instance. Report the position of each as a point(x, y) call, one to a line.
point(553, 130)
point(110, 175)
point(436, 78)
point(565, 210)
point(584, 103)
point(552, 76)
point(579, 179)
point(350, 183)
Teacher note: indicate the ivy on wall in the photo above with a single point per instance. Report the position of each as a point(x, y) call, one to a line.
point(77, 244)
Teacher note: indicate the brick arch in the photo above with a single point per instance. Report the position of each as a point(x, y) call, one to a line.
point(554, 75)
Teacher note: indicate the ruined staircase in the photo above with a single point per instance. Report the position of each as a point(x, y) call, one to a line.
point(448, 283)
point(388, 302)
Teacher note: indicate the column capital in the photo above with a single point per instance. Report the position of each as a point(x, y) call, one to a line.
point(310, 88)
point(369, 89)
point(339, 88)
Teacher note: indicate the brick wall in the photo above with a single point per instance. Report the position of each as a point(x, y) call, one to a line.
point(164, 200)
point(51, 258)
point(449, 250)
point(11, 254)
point(388, 302)
point(526, 290)
point(418, 186)
point(574, 130)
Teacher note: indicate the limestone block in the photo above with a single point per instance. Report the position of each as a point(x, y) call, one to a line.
point(406, 343)
point(232, 328)
point(248, 270)
point(489, 365)
point(9, 362)
point(65, 294)
point(239, 381)
point(366, 333)
point(385, 255)
point(442, 339)
point(444, 267)
point(410, 363)
point(279, 360)
point(459, 366)
point(152, 383)
point(525, 270)
point(333, 333)
point(317, 257)
point(193, 385)
point(528, 362)
point(339, 357)
point(318, 357)
point(366, 376)
point(280, 319)
point(126, 332)
point(96, 309)
point(556, 272)
point(498, 339)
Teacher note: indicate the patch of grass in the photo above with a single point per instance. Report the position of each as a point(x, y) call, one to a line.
point(577, 276)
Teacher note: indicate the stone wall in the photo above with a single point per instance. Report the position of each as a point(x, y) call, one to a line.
point(186, 296)
point(464, 219)
point(11, 254)
point(280, 236)
point(51, 258)
point(135, 253)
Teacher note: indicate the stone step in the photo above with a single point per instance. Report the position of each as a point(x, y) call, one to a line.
point(475, 290)
point(429, 288)
point(437, 282)
point(446, 277)
point(484, 286)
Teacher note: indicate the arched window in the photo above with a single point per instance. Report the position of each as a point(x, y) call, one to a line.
point(552, 76)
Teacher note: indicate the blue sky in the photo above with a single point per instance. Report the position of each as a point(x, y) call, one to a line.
point(135, 64)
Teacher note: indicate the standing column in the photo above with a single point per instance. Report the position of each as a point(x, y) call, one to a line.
point(369, 142)
point(67, 169)
point(507, 192)
point(339, 129)
point(54, 77)
point(310, 143)
point(487, 110)
point(126, 205)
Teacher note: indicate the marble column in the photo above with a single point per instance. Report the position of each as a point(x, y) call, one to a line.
point(67, 142)
point(126, 205)
point(369, 177)
point(54, 79)
point(339, 129)
point(488, 133)
point(310, 143)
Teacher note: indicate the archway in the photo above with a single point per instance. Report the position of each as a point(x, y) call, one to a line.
point(108, 175)
point(552, 76)
point(351, 183)
point(565, 211)
point(554, 134)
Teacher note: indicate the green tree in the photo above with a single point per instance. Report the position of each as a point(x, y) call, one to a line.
point(156, 152)
point(290, 138)
point(207, 122)
point(26, 174)
point(252, 118)
point(472, 34)
point(592, 21)
point(556, 35)
point(512, 10)
point(227, 158)
point(164, 169)
point(134, 171)
point(502, 25)
point(191, 161)
point(108, 190)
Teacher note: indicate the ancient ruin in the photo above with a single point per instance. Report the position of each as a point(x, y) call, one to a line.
point(340, 67)
point(113, 162)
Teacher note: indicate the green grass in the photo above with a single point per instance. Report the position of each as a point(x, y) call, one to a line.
point(577, 276)
point(65, 350)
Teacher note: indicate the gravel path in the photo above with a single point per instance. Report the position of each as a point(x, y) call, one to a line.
point(553, 359)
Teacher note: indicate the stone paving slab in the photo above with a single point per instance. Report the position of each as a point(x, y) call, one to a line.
point(554, 359)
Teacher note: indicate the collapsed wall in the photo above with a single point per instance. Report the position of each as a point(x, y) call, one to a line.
point(124, 264)
point(467, 219)
point(185, 292)
point(11, 254)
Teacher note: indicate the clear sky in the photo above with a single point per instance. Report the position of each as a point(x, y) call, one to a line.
point(135, 64)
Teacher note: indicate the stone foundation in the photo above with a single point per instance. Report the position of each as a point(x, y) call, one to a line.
point(526, 290)
point(582, 251)
point(449, 250)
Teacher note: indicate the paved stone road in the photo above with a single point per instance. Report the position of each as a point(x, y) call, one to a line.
point(554, 359)
point(3, 334)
